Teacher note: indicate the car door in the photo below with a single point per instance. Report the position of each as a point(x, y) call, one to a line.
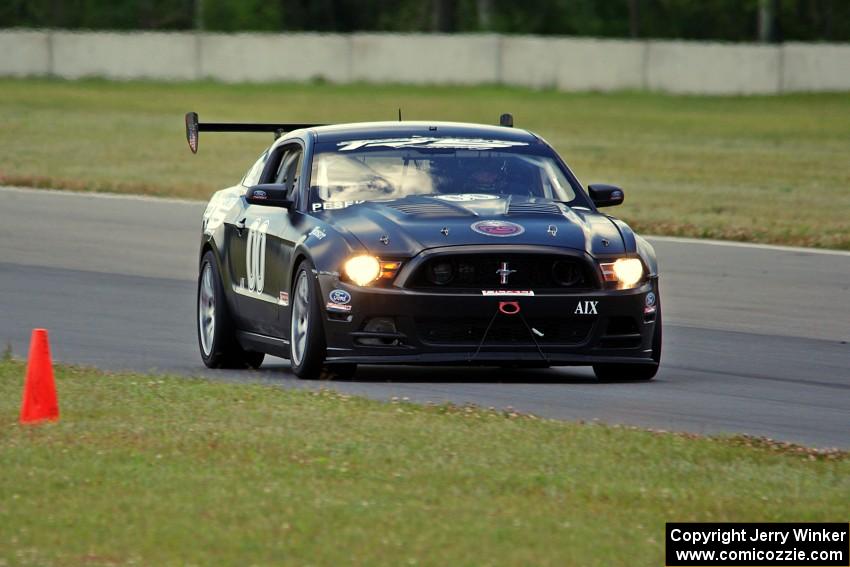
point(281, 239)
point(239, 250)
point(260, 247)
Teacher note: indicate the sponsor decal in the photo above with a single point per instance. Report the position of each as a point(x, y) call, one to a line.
point(261, 195)
point(337, 307)
point(650, 303)
point(283, 299)
point(318, 233)
point(339, 297)
point(505, 292)
point(334, 205)
point(586, 308)
point(497, 228)
point(464, 197)
point(429, 143)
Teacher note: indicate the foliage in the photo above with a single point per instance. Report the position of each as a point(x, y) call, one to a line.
point(733, 20)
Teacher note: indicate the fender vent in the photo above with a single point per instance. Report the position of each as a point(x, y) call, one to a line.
point(427, 209)
point(530, 208)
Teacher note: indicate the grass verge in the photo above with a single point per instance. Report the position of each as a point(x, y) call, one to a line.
point(171, 471)
point(766, 169)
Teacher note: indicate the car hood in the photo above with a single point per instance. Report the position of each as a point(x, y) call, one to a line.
point(404, 227)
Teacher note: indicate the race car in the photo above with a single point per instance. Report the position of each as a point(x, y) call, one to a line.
point(420, 243)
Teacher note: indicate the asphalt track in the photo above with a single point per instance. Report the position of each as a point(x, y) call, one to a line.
point(757, 339)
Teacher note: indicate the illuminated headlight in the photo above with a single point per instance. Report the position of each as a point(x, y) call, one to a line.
point(362, 270)
point(626, 272)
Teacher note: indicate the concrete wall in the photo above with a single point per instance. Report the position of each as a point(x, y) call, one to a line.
point(568, 64)
point(712, 68)
point(259, 57)
point(425, 58)
point(815, 67)
point(572, 64)
point(169, 56)
point(24, 53)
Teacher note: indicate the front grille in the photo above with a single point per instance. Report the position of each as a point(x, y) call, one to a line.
point(504, 331)
point(524, 271)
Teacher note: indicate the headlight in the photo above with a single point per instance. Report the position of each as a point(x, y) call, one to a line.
point(626, 272)
point(362, 270)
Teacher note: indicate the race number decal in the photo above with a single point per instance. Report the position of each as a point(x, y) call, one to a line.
point(255, 255)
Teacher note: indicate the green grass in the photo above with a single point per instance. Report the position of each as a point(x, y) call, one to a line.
point(767, 169)
point(169, 471)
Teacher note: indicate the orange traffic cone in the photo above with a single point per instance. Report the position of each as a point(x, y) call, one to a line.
point(39, 403)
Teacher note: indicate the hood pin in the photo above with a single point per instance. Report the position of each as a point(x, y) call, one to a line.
point(552, 230)
point(606, 242)
point(445, 231)
point(384, 239)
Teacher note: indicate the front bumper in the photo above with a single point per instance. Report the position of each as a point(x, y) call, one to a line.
point(610, 326)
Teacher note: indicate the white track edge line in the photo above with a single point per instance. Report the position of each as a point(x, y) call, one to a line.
point(101, 195)
point(736, 244)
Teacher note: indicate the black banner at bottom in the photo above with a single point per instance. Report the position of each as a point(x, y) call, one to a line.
point(757, 545)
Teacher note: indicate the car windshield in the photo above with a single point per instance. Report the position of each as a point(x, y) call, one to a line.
point(371, 170)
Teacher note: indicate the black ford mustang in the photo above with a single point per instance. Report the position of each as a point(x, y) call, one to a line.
point(421, 243)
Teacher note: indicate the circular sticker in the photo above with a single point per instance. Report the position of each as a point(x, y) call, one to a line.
point(466, 197)
point(650, 299)
point(497, 228)
point(339, 296)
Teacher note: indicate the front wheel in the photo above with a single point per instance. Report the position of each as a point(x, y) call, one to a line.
point(307, 346)
point(634, 372)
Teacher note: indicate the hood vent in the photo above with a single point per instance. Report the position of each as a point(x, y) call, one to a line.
point(531, 208)
point(428, 209)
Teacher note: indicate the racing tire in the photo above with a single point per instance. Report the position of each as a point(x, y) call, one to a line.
point(216, 337)
point(307, 346)
point(634, 372)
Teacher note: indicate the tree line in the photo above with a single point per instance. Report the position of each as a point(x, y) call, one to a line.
point(727, 20)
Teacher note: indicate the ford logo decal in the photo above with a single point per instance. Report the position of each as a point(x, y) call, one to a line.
point(339, 296)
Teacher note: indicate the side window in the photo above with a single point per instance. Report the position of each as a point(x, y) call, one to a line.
point(253, 176)
point(280, 174)
point(289, 170)
point(293, 170)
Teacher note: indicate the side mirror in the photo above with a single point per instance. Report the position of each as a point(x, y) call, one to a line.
point(605, 195)
point(269, 195)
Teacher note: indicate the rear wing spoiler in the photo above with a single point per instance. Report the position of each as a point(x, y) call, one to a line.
point(194, 128)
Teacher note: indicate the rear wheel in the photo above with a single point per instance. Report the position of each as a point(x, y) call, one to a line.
point(216, 337)
point(634, 372)
point(308, 349)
